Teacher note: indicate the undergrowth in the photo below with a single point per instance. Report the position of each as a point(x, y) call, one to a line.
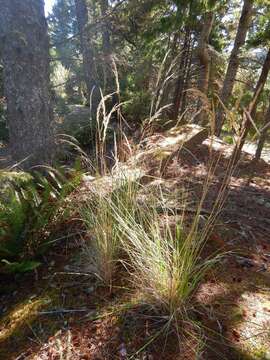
point(29, 204)
point(160, 249)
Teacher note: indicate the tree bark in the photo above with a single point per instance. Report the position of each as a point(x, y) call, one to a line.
point(204, 61)
point(228, 84)
point(87, 55)
point(203, 54)
point(106, 46)
point(110, 71)
point(187, 76)
point(178, 95)
point(25, 54)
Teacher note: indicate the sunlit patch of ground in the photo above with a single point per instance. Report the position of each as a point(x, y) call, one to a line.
point(253, 330)
point(21, 314)
point(17, 323)
point(210, 290)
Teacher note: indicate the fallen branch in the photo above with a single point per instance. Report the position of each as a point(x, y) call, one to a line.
point(61, 311)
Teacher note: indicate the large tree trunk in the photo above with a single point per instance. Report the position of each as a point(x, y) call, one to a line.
point(228, 84)
point(204, 61)
point(87, 54)
point(25, 54)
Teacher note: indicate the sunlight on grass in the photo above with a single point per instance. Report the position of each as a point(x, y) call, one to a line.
point(20, 316)
point(165, 262)
point(102, 249)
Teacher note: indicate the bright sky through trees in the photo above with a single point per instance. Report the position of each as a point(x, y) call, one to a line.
point(48, 6)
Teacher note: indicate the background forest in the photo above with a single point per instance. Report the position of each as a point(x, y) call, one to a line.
point(182, 59)
point(161, 52)
point(134, 179)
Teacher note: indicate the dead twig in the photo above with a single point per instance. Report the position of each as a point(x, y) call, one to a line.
point(61, 311)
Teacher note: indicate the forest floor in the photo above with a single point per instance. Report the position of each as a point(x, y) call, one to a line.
point(59, 312)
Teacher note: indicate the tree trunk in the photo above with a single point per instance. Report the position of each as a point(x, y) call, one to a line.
point(260, 85)
point(106, 47)
point(187, 75)
point(228, 84)
point(253, 105)
point(204, 60)
point(87, 54)
point(110, 73)
point(25, 54)
point(178, 95)
point(263, 136)
point(203, 54)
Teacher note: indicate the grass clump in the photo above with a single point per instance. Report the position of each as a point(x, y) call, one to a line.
point(165, 263)
point(103, 245)
point(161, 248)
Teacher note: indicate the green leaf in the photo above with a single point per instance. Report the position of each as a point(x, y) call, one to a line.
point(21, 267)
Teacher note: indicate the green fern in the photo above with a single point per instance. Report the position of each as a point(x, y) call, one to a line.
point(28, 203)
